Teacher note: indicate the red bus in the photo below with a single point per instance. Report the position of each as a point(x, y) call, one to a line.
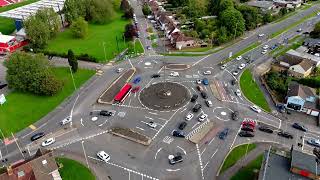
point(123, 93)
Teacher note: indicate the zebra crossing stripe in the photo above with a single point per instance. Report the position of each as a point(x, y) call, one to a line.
point(196, 130)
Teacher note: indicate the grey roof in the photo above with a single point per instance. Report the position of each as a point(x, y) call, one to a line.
point(311, 42)
point(261, 4)
point(304, 161)
point(295, 89)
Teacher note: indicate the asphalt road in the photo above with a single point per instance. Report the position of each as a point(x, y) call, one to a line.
point(133, 161)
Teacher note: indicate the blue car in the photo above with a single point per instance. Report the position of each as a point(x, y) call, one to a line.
point(223, 134)
point(136, 80)
point(205, 81)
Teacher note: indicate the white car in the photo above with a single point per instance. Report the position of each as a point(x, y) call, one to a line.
point(66, 120)
point(202, 117)
point(238, 92)
point(198, 81)
point(242, 66)
point(260, 35)
point(189, 116)
point(264, 52)
point(174, 74)
point(255, 108)
point(235, 73)
point(48, 142)
point(152, 124)
point(239, 58)
point(119, 70)
point(207, 72)
point(265, 46)
point(103, 156)
point(223, 67)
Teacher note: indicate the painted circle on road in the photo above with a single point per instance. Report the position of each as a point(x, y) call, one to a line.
point(147, 63)
point(222, 112)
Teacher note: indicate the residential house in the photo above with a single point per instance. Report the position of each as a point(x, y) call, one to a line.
point(180, 41)
point(302, 53)
point(296, 66)
point(290, 4)
point(302, 98)
point(262, 5)
point(41, 167)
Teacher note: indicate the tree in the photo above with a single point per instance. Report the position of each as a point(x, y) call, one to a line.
point(99, 11)
point(283, 11)
point(178, 3)
point(129, 13)
point(72, 60)
point(197, 8)
point(251, 16)
point(233, 21)
point(31, 73)
point(146, 9)
point(51, 18)
point(79, 28)
point(124, 6)
point(316, 31)
point(222, 36)
point(73, 9)
point(218, 6)
point(130, 31)
point(267, 18)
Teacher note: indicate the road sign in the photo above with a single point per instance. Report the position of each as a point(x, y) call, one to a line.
point(2, 99)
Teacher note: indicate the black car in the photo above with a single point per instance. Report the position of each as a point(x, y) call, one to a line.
point(182, 125)
point(175, 159)
point(178, 133)
point(247, 128)
point(37, 136)
point(105, 113)
point(196, 108)
point(265, 129)
point(233, 82)
point(235, 115)
point(285, 134)
point(223, 134)
point(204, 95)
point(3, 85)
point(194, 98)
point(246, 134)
point(155, 76)
point(299, 126)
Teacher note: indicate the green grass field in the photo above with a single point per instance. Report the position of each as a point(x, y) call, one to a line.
point(247, 172)
point(251, 90)
point(23, 109)
point(93, 44)
point(7, 24)
point(73, 170)
point(236, 154)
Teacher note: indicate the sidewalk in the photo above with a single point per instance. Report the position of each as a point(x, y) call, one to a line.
point(252, 155)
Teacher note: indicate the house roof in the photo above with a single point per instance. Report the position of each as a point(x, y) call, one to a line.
point(306, 64)
point(295, 89)
point(261, 4)
point(154, 6)
point(182, 38)
point(304, 161)
point(303, 55)
point(311, 42)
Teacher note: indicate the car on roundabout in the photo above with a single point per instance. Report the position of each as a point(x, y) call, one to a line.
point(175, 159)
point(182, 125)
point(174, 74)
point(105, 113)
point(235, 115)
point(103, 156)
point(239, 58)
point(299, 127)
point(285, 134)
point(198, 81)
point(255, 109)
point(238, 92)
point(135, 89)
point(223, 134)
point(208, 72)
point(66, 120)
point(222, 67)
point(265, 129)
point(155, 75)
point(205, 81)
point(242, 66)
point(235, 73)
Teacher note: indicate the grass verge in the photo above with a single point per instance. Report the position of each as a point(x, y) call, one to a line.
point(24, 108)
point(73, 170)
point(247, 172)
point(243, 51)
point(236, 154)
point(251, 90)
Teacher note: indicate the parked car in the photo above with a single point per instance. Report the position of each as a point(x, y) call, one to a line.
point(255, 108)
point(194, 98)
point(37, 136)
point(178, 133)
point(285, 134)
point(242, 66)
point(239, 58)
point(189, 116)
point(204, 95)
point(247, 58)
point(264, 51)
point(233, 82)
point(200, 88)
point(196, 108)
point(223, 134)
point(205, 81)
point(155, 75)
point(209, 103)
point(105, 113)
point(249, 122)
point(222, 67)
point(247, 128)
point(182, 125)
point(135, 89)
point(235, 115)
point(152, 124)
point(265, 129)
point(238, 92)
point(265, 46)
point(300, 127)
point(207, 72)
point(119, 70)
point(198, 81)
point(174, 74)
point(246, 134)
point(175, 159)
point(136, 80)
point(48, 142)
point(103, 156)
point(66, 120)
point(235, 73)
point(314, 142)
point(203, 117)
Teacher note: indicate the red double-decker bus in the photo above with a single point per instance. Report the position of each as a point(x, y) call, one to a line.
point(123, 93)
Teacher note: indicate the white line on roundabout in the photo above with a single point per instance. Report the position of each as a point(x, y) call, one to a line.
point(184, 151)
point(172, 170)
point(155, 156)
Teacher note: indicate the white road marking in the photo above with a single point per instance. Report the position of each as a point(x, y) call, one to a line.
point(203, 151)
point(148, 117)
point(84, 152)
point(184, 151)
point(200, 161)
point(139, 128)
point(167, 139)
point(172, 170)
point(183, 110)
point(195, 125)
point(211, 141)
point(165, 124)
point(81, 122)
point(153, 113)
point(0, 155)
point(155, 156)
point(130, 101)
point(235, 137)
point(210, 159)
point(200, 60)
point(205, 87)
point(103, 123)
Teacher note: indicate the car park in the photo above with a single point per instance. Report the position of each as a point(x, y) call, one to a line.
point(155, 75)
point(223, 134)
point(285, 134)
point(265, 129)
point(200, 88)
point(152, 124)
point(66, 120)
point(37, 136)
point(314, 142)
point(239, 58)
point(194, 98)
point(238, 92)
point(204, 95)
point(189, 116)
point(48, 142)
point(235, 115)
point(136, 80)
point(135, 89)
point(207, 72)
point(178, 133)
point(196, 108)
point(175, 159)
point(235, 73)
point(105, 113)
point(242, 66)
point(174, 74)
point(246, 134)
point(255, 108)
point(203, 117)
point(209, 103)
point(300, 127)
point(198, 81)
point(103, 156)
point(205, 81)
point(182, 125)
point(222, 67)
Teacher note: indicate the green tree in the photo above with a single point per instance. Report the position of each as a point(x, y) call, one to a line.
point(233, 21)
point(51, 18)
point(79, 28)
point(130, 31)
point(31, 73)
point(146, 9)
point(316, 31)
point(99, 11)
point(251, 16)
point(215, 7)
point(197, 8)
point(129, 13)
point(222, 36)
point(178, 3)
point(267, 17)
point(124, 6)
point(73, 9)
point(72, 60)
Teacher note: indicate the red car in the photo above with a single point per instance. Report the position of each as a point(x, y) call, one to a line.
point(249, 122)
point(136, 89)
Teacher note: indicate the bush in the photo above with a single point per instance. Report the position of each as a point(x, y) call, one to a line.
point(84, 57)
point(146, 9)
point(79, 28)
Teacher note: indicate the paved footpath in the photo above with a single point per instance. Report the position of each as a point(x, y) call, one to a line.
point(252, 155)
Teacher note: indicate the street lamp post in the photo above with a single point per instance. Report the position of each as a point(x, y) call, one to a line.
point(104, 50)
point(75, 88)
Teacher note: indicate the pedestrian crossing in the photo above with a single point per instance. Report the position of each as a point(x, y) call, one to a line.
point(192, 133)
point(168, 139)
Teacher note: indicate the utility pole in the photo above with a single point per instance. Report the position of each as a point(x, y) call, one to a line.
point(235, 31)
point(104, 50)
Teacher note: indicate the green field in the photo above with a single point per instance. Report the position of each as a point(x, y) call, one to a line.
point(100, 37)
point(73, 170)
point(7, 24)
point(251, 90)
point(23, 109)
point(247, 172)
point(236, 154)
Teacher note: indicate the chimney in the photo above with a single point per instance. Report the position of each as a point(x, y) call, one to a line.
point(9, 170)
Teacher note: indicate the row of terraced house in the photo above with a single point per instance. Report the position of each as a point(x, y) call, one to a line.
point(170, 26)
